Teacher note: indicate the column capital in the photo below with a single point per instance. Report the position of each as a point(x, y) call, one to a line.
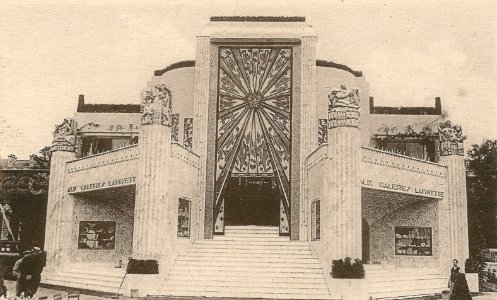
point(451, 139)
point(64, 137)
point(343, 107)
point(156, 105)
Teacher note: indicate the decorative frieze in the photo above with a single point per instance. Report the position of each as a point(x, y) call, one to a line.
point(64, 136)
point(156, 106)
point(343, 107)
point(451, 139)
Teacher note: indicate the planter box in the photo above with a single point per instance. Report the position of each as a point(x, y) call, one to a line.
point(348, 289)
point(472, 279)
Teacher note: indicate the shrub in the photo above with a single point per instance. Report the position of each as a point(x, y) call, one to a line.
point(344, 268)
point(472, 265)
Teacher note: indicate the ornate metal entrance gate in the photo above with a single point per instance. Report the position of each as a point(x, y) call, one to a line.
point(254, 104)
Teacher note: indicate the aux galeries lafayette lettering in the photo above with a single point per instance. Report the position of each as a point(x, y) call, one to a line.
point(402, 188)
point(102, 184)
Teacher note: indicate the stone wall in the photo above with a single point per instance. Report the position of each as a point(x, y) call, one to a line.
point(104, 208)
point(382, 236)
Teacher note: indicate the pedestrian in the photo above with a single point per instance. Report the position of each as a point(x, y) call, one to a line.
point(38, 262)
point(22, 278)
point(453, 271)
point(3, 289)
point(29, 272)
point(460, 290)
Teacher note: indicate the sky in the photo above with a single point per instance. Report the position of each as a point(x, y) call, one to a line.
point(409, 52)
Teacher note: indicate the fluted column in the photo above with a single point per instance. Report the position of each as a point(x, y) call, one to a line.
point(201, 102)
point(308, 124)
point(455, 211)
point(152, 218)
point(343, 191)
point(60, 205)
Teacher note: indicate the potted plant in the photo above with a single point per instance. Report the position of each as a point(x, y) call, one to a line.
point(347, 278)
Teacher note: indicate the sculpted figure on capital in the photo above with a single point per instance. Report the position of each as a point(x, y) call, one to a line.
point(449, 133)
point(64, 136)
point(343, 98)
point(156, 105)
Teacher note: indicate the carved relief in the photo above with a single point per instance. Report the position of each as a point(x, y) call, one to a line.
point(450, 133)
point(174, 128)
point(343, 98)
point(409, 131)
point(64, 136)
point(343, 107)
point(451, 139)
point(156, 106)
point(322, 131)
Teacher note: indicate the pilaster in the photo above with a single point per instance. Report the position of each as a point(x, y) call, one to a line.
point(201, 102)
point(60, 206)
point(455, 211)
point(152, 225)
point(343, 187)
point(308, 124)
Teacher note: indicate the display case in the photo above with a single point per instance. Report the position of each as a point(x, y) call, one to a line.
point(97, 235)
point(413, 241)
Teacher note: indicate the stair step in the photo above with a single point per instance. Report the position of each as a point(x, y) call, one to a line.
point(261, 268)
point(240, 272)
point(407, 293)
point(78, 285)
point(245, 264)
point(81, 277)
point(99, 272)
point(230, 294)
point(318, 279)
point(248, 284)
point(252, 259)
point(398, 280)
point(251, 292)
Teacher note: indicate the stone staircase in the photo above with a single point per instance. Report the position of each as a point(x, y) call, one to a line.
point(248, 262)
point(86, 276)
point(398, 283)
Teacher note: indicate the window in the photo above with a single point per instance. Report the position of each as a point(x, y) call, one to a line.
point(316, 220)
point(413, 241)
point(95, 145)
point(184, 213)
point(424, 149)
point(97, 235)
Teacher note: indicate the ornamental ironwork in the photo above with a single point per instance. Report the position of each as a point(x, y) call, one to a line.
point(254, 116)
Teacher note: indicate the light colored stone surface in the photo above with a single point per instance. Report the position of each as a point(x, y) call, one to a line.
point(59, 211)
point(455, 210)
point(418, 214)
point(101, 208)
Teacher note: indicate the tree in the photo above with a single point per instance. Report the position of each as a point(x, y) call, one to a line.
point(482, 195)
point(42, 161)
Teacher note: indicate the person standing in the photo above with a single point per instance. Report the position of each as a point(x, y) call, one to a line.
point(453, 273)
point(21, 278)
point(38, 262)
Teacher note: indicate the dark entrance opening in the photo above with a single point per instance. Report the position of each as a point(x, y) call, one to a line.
point(252, 201)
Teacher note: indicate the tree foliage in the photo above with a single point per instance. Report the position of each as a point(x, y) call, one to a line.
point(42, 159)
point(482, 195)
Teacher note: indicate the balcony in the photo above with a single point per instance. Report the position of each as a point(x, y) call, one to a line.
point(113, 168)
point(394, 172)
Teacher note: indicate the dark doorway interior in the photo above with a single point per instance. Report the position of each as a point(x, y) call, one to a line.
point(365, 242)
point(252, 201)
